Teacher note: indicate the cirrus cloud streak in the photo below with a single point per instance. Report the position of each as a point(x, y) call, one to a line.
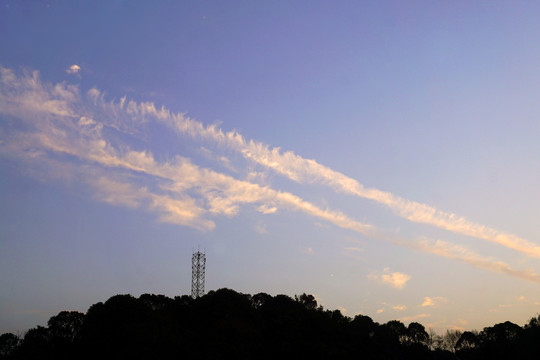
point(57, 128)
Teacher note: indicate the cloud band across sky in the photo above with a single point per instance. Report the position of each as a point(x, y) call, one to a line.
point(304, 170)
point(63, 130)
point(58, 126)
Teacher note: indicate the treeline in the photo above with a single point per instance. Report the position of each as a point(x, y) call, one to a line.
point(225, 324)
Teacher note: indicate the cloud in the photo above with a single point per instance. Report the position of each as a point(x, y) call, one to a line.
point(266, 209)
point(397, 280)
point(67, 131)
point(183, 211)
point(304, 170)
point(380, 311)
point(59, 128)
point(457, 252)
point(261, 228)
point(73, 69)
point(452, 251)
point(433, 301)
point(222, 160)
point(23, 97)
point(394, 307)
point(118, 193)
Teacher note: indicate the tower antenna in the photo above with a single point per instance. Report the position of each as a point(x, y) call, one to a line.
point(198, 267)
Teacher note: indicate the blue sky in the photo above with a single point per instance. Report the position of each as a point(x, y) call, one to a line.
point(382, 156)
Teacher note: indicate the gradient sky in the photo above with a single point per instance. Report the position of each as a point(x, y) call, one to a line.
point(380, 155)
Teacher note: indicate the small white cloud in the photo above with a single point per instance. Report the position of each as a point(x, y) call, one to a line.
point(85, 121)
point(266, 209)
point(522, 298)
point(433, 301)
point(380, 311)
point(428, 302)
point(73, 69)
point(399, 307)
point(310, 251)
point(394, 279)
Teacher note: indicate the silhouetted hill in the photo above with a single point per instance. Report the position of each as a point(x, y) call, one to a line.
point(225, 324)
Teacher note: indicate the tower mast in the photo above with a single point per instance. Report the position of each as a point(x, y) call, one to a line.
point(198, 266)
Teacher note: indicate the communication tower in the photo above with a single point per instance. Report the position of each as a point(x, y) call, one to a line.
point(198, 266)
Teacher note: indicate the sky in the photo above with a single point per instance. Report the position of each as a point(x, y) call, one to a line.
point(380, 155)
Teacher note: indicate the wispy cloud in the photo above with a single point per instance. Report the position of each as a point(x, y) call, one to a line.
point(460, 253)
point(304, 170)
point(60, 128)
point(310, 171)
point(57, 126)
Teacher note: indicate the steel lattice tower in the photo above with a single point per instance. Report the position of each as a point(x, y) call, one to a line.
point(198, 266)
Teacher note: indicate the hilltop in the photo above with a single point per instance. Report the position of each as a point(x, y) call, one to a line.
point(232, 325)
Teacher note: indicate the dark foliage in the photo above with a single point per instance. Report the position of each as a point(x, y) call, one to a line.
point(225, 324)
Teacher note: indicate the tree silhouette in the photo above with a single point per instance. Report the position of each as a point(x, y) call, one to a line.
point(227, 324)
point(398, 329)
point(66, 325)
point(307, 300)
point(467, 340)
point(8, 344)
point(416, 333)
